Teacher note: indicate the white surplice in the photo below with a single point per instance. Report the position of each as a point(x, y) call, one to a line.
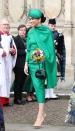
point(7, 64)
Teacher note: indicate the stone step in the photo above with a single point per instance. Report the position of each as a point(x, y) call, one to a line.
point(25, 127)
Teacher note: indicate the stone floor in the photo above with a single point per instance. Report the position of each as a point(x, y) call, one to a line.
point(26, 114)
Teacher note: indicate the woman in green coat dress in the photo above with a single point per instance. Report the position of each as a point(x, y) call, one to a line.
point(40, 37)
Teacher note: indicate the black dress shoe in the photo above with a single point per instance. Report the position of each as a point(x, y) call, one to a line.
point(19, 102)
point(52, 98)
point(10, 104)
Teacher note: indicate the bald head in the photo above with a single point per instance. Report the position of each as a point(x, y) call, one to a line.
point(4, 25)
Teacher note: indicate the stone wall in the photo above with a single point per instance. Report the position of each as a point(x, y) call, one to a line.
point(63, 10)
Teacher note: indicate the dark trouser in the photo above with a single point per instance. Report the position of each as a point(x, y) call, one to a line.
point(19, 83)
point(2, 126)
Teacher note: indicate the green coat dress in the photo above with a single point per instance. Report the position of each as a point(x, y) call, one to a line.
point(42, 37)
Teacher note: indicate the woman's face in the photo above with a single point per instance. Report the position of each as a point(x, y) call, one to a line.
point(22, 32)
point(34, 22)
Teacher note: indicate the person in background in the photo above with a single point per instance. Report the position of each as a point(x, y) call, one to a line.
point(60, 54)
point(20, 77)
point(7, 60)
point(21, 82)
point(40, 38)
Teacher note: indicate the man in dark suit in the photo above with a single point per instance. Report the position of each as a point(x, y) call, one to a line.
point(60, 55)
point(20, 76)
point(59, 47)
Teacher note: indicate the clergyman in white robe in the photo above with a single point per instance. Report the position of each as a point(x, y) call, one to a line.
point(7, 64)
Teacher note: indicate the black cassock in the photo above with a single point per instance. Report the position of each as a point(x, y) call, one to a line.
point(60, 53)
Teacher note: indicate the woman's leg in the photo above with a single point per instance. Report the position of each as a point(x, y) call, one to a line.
point(40, 94)
point(40, 116)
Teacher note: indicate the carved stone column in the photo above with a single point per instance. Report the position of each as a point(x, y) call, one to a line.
point(68, 36)
point(6, 8)
point(73, 36)
point(68, 30)
point(1, 8)
point(73, 32)
point(36, 4)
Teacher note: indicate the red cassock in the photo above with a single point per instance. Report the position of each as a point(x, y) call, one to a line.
point(4, 101)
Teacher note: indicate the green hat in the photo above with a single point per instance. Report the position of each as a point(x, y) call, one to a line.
point(35, 13)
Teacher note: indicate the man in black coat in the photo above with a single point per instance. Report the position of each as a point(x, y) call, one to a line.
point(60, 55)
point(19, 67)
point(59, 47)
